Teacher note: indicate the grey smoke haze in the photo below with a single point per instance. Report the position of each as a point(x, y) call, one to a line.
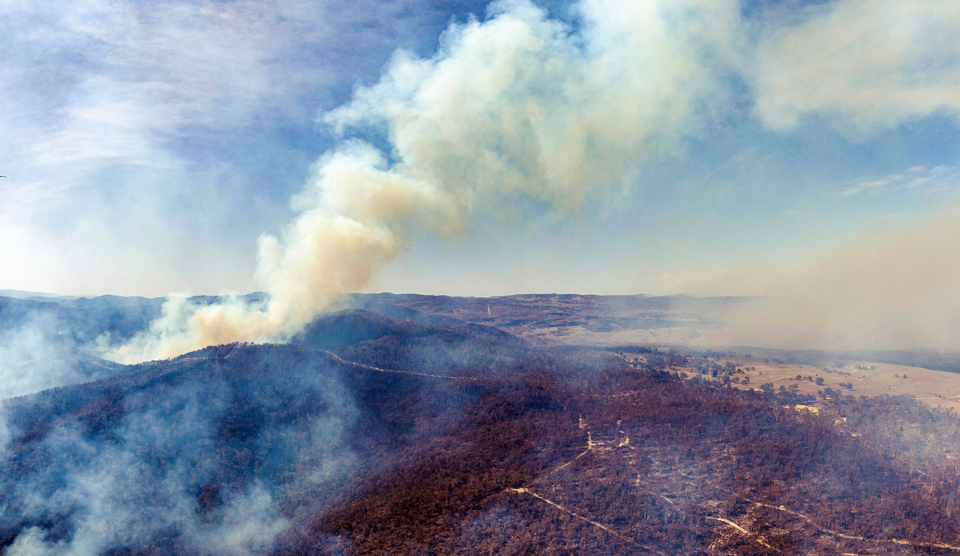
point(142, 482)
point(29, 359)
point(40, 352)
point(53, 342)
point(896, 288)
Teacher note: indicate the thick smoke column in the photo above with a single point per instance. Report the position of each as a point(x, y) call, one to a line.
point(518, 107)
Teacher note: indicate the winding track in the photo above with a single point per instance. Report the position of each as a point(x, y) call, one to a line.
point(593, 445)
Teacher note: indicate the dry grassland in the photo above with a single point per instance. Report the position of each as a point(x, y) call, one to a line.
point(936, 388)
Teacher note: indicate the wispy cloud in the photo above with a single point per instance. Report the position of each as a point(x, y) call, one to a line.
point(130, 78)
point(139, 120)
point(743, 160)
point(917, 179)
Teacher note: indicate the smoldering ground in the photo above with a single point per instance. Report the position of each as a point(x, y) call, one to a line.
point(195, 459)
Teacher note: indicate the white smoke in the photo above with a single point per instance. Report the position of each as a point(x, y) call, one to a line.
point(870, 63)
point(515, 108)
point(140, 483)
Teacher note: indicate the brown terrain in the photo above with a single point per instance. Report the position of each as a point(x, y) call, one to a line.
point(431, 425)
point(934, 388)
point(674, 321)
point(571, 319)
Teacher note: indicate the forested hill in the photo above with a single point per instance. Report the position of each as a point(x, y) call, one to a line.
point(383, 436)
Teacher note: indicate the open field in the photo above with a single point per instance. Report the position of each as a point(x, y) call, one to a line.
point(935, 388)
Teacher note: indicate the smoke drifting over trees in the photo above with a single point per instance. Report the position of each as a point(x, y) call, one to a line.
point(470, 441)
point(194, 453)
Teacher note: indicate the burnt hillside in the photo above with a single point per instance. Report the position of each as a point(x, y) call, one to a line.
point(378, 435)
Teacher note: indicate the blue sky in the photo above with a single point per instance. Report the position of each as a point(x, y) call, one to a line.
point(149, 145)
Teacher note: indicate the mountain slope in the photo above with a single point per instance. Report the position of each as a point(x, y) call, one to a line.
point(391, 436)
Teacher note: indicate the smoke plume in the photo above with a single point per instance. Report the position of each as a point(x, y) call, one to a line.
point(517, 109)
